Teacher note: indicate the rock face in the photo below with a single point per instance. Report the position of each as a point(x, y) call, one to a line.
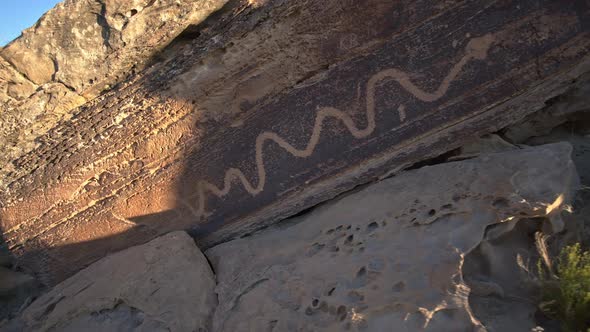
point(440, 248)
point(121, 121)
point(89, 46)
point(74, 52)
point(164, 285)
point(271, 107)
point(392, 254)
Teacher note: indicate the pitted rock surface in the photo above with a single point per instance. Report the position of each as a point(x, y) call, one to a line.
point(389, 255)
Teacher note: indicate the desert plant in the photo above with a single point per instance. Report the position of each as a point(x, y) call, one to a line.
point(566, 291)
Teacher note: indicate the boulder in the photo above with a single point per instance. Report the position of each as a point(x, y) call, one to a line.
point(163, 285)
point(391, 256)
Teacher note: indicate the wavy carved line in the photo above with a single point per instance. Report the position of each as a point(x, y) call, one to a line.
point(476, 49)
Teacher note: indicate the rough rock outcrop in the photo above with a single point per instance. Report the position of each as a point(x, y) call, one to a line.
point(275, 106)
point(392, 254)
point(91, 45)
point(164, 285)
point(74, 52)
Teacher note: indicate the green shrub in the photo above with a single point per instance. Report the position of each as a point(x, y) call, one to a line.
point(566, 293)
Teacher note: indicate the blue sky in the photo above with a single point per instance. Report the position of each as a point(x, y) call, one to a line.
point(17, 15)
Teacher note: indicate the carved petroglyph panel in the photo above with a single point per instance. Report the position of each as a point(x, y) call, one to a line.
point(95, 183)
point(409, 105)
point(476, 48)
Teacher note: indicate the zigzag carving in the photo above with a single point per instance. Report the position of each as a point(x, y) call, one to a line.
point(476, 49)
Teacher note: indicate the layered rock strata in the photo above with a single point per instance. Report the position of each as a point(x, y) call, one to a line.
point(271, 107)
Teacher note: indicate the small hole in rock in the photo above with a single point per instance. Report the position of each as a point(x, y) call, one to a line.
point(361, 272)
point(317, 246)
point(315, 302)
point(372, 226)
point(341, 312)
point(432, 212)
point(132, 12)
point(500, 202)
point(349, 239)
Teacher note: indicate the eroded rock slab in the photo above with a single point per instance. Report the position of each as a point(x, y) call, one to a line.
point(76, 51)
point(390, 255)
point(164, 285)
point(277, 106)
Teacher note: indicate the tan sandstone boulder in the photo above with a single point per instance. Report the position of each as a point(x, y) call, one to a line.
point(164, 285)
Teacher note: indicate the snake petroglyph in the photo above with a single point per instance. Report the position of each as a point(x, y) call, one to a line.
point(476, 49)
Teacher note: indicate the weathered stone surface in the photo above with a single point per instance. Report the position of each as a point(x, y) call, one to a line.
point(492, 266)
point(74, 52)
point(486, 144)
point(390, 255)
point(17, 290)
point(22, 121)
point(13, 85)
point(501, 273)
point(164, 285)
point(277, 106)
point(558, 111)
point(91, 45)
